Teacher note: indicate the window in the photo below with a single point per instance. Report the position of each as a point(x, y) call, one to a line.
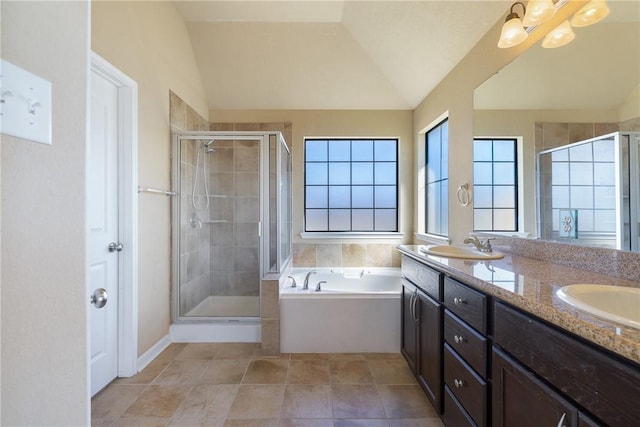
point(495, 189)
point(437, 176)
point(351, 185)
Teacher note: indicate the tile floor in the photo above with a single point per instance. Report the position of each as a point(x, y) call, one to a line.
point(232, 385)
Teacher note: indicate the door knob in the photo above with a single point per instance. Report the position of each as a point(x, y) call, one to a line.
point(113, 246)
point(99, 298)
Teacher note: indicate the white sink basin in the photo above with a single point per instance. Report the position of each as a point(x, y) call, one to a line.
point(617, 303)
point(463, 252)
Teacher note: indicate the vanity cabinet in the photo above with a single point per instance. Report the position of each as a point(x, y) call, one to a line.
point(465, 354)
point(484, 362)
point(422, 328)
point(601, 383)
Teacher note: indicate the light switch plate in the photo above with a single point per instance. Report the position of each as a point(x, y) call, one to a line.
point(25, 104)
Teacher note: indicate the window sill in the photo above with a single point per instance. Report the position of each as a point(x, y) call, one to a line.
point(433, 239)
point(351, 235)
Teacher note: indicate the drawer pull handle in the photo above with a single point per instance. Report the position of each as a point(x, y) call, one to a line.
point(561, 422)
point(458, 338)
point(458, 301)
point(458, 383)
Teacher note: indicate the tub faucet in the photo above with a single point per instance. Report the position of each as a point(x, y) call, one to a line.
point(293, 281)
point(318, 287)
point(305, 286)
point(482, 247)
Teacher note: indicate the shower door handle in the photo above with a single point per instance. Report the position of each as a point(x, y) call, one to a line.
point(113, 247)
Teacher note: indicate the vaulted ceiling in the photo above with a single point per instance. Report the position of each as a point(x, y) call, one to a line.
point(331, 54)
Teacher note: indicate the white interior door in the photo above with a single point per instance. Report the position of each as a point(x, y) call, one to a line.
point(102, 220)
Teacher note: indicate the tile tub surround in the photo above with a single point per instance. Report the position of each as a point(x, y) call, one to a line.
point(534, 292)
point(340, 255)
point(217, 384)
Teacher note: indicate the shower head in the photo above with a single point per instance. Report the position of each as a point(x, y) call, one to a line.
point(207, 146)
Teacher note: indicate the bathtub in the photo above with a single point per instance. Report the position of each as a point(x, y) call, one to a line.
point(356, 311)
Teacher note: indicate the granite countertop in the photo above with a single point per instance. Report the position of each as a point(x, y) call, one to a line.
point(530, 285)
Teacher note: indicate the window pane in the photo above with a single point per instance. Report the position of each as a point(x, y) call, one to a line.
point(317, 197)
point(560, 196)
point(362, 197)
point(605, 197)
point(560, 156)
point(432, 211)
point(504, 220)
point(604, 150)
point(385, 219)
point(340, 219)
point(339, 151)
point(560, 173)
point(316, 151)
point(504, 173)
point(361, 173)
point(482, 150)
point(585, 220)
point(362, 151)
point(504, 197)
point(482, 196)
point(581, 153)
point(581, 173)
point(604, 174)
point(385, 197)
point(434, 157)
point(316, 219)
point(581, 197)
point(482, 173)
point(444, 209)
point(362, 219)
point(385, 150)
point(605, 221)
point(444, 144)
point(482, 219)
point(340, 196)
point(316, 174)
point(339, 173)
point(385, 174)
point(504, 150)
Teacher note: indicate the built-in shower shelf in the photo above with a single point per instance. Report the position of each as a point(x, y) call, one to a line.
point(215, 196)
point(215, 221)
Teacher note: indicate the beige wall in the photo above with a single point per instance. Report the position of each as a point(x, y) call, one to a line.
point(455, 96)
point(308, 123)
point(44, 294)
point(148, 41)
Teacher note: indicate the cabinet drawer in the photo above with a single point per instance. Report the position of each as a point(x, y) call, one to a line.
point(410, 269)
point(466, 385)
point(466, 342)
point(426, 278)
point(454, 414)
point(604, 385)
point(467, 304)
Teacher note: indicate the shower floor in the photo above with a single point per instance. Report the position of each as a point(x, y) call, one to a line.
point(227, 306)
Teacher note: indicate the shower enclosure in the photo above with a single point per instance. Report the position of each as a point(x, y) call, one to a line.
point(231, 221)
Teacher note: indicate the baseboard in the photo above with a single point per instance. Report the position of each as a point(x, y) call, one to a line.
point(153, 352)
point(215, 332)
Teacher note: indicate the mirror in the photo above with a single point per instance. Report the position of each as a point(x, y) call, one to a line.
point(548, 98)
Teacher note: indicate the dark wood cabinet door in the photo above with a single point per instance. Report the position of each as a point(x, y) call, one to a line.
point(409, 344)
point(430, 348)
point(521, 400)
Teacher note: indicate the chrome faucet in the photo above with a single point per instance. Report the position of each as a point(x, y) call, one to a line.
point(482, 247)
point(305, 286)
point(293, 281)
point(318, 287)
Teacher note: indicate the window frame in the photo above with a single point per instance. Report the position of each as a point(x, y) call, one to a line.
point(439, 234)
point(330, 233)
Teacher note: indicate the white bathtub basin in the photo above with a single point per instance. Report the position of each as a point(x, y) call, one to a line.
point(463, 252)
point(617, 303)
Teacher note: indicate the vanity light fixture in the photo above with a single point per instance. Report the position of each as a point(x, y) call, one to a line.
point(513, 32)
point(559, 36)
point(538, 11)
point(590, 13)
